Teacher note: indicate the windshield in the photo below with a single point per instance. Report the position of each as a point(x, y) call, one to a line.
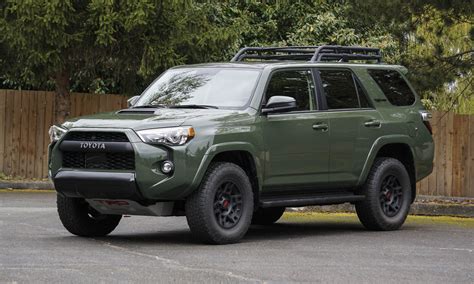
point(216, 87)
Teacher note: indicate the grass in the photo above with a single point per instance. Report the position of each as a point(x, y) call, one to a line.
point(28, 190)
point(4, 177)
point(305, 217)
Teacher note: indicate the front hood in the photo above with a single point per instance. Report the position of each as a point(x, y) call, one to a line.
point(154, 119)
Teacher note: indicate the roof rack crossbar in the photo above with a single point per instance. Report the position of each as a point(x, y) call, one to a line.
point(289, 49)
point(346, 53)
point(309, 53)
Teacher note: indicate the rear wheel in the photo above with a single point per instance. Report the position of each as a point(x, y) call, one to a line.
point(80, 219)
point(388, 196)
point(267, 216)
point(220, 211)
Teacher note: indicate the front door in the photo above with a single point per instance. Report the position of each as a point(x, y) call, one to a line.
point(296, 142)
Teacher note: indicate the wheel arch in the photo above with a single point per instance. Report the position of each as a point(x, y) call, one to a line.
point(240, 153)
point(397, 147)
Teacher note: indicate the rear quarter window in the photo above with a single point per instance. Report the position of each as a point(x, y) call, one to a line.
point(394, 87)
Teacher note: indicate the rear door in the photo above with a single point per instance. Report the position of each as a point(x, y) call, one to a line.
point(354, 124)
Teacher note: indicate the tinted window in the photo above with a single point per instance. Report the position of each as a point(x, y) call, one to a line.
point(297, 84)
point(393, 86)
point(338, 86)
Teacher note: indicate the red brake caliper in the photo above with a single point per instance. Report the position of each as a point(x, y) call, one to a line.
point(225, 204)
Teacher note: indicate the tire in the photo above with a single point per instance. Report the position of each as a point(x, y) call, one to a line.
point(387, 196)
point(216, 214)
point(82, 220)
point(267, 216)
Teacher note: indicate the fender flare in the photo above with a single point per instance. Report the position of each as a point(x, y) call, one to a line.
point(227, 147)
point(377, 145)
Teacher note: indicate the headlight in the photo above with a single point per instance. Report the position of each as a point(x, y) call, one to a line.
point(172, 136)
point(56, 133)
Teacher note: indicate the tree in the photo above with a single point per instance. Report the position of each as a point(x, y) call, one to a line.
point(435, 40)
point(66, 41)
point(121, 45)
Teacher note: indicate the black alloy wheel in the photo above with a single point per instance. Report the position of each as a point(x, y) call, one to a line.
point(391, 195)
point(228, 205)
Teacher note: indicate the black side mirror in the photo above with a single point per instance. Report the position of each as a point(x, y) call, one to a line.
point(131, 102)
point(279, 104)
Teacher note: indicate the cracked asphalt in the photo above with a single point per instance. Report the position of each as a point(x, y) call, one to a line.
point(34, 247)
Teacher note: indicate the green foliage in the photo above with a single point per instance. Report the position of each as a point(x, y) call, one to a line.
point(119, 46)
point(104, 45)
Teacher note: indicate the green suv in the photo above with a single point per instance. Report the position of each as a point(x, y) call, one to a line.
point(233, 144)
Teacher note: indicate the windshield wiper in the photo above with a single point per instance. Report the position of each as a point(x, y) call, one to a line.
point(192, 106)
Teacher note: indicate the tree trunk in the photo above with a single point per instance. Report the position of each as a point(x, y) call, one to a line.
point(62, 106)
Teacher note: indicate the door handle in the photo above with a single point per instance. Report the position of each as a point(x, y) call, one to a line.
point(372, 123)
point(320, 126)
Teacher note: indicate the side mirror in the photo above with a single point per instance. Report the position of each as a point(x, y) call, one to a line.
point(279, 104)
point(131, 102)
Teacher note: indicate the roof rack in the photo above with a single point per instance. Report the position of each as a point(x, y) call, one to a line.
point(310, 53)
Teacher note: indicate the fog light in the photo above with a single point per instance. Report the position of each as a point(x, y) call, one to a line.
point(167, 167)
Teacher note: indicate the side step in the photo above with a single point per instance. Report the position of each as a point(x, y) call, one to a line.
point(306, 200)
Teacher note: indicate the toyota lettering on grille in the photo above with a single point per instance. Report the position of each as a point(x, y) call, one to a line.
point(92, 145)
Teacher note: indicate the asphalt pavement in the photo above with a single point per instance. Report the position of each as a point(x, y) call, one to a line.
point(302, 247)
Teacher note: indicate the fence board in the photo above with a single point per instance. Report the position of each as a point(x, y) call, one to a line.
point(39, 134)
point(463, 180)
point(2, 128)
point(470, 188)
point(448, 174)
point(9, 106)
point(48, 121)
point(23, 141)
point(32, 143)
point(16, 134)
point(439, 126)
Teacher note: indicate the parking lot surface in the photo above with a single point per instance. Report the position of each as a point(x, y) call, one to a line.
point(34, 247)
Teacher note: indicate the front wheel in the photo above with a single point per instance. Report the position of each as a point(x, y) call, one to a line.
point(220, 211)
point(80, 219)
point(387, 196)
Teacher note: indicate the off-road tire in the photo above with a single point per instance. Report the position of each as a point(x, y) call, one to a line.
point(267, 216)
point(80, 219)
point(370, 210)
point(200, 205)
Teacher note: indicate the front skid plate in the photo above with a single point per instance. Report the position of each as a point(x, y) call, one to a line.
point(129, 207)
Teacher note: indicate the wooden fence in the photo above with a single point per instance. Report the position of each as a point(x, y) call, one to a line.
point(25, 117)
point(453, 173)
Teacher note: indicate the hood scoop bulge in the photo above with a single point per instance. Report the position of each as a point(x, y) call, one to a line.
point(136, 111)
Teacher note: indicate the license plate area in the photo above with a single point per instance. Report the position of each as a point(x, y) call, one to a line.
point(95, 160)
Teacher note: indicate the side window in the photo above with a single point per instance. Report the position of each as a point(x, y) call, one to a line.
point(339, 89)
point(393, 86)
point(297, 84)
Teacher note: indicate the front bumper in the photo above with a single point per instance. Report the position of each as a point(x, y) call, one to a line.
point(112, 185)
point(145, 182)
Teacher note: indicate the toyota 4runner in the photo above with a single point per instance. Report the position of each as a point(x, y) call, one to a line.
point(232, 144)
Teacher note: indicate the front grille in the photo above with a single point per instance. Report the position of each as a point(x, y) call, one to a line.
point(97, 136)
point(106, 160)
point(103, 161)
